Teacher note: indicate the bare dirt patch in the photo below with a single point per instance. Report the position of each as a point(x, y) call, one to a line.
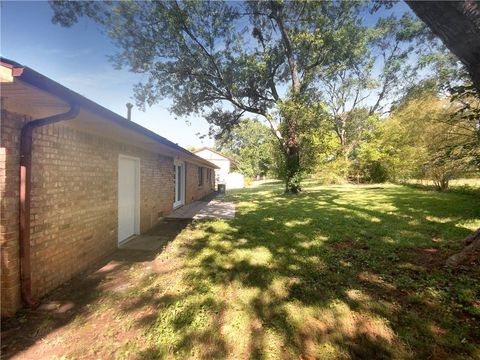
point(427, 257)
point(349, 244)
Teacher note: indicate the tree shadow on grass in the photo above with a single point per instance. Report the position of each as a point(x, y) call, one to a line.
point(331, 273)
point(325, 274)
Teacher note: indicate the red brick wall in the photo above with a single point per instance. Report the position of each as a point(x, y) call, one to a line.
point(9, 210)
point(193, 190)
point(74, 201)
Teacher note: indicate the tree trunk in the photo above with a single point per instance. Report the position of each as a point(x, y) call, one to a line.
point(472, 246)
point(444, 185)
point(292, 181)
point(277, 14)
point(344, 149)
point(343, 141)
point(457, 24)
point(292, 162)
point(292, 154)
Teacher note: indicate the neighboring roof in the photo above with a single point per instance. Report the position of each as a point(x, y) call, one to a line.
point(214, 151)
point(42, 82)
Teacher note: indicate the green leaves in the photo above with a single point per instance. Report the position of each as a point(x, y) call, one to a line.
point(252, 145)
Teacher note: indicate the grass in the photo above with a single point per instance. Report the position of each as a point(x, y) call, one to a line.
point(337, 272)
point(456, 183)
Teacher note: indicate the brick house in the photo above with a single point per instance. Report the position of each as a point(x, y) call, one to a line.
point(75, 181)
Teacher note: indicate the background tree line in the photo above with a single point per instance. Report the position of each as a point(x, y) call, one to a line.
point(426, 136)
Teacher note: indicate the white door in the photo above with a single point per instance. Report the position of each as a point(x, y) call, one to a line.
point(127, 197)
point(179, 170)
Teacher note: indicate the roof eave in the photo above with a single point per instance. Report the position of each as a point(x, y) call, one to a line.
point(42, 82)
point(216, 152)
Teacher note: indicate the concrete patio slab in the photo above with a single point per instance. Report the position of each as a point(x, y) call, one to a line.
point(207, 208)
point(145, 243)
point(157, 237)
point(213, 209)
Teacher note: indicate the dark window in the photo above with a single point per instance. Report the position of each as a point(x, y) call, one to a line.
point(209, 176)
point(200, 176)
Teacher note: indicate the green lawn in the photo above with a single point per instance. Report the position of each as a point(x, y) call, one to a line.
point(336, 272)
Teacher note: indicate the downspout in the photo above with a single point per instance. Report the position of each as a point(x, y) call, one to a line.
point(25, 188)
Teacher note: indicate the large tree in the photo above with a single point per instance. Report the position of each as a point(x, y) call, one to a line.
point(226, 60)
point(457, 24)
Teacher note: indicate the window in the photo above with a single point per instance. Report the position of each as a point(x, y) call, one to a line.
point(209, 176)
point(174, 180)
point(200, 176)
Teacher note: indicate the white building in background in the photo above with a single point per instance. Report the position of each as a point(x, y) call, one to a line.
point(223, 175)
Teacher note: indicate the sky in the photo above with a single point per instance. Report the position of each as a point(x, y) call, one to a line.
point(76, 57)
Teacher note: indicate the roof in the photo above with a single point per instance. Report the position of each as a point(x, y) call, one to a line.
point(42, 82)
point(214, 151)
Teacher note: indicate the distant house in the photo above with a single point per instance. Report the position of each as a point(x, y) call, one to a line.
point(76, 180)
point(223, 175)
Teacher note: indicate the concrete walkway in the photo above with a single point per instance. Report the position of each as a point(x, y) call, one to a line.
point(213, 209)
point(208, 208)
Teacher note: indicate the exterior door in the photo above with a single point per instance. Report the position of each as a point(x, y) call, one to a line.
point(128, 199)
point(179, 169)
